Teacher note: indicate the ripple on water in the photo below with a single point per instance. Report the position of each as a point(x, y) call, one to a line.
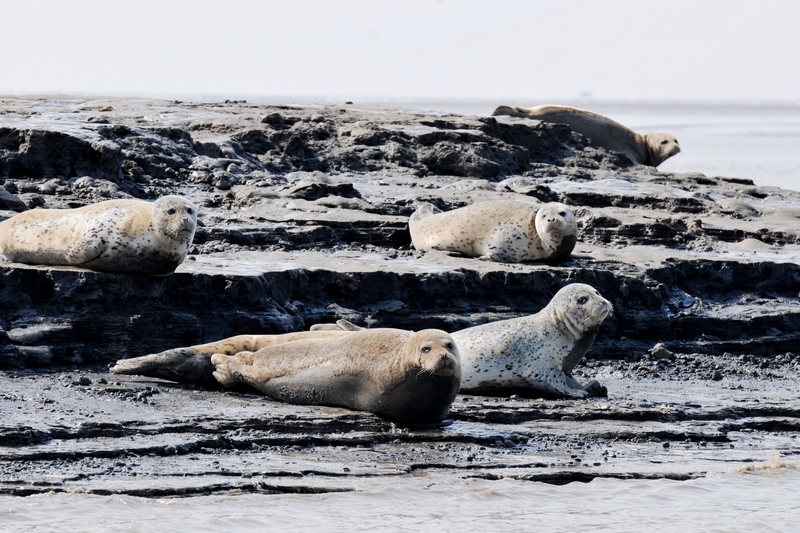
point(761, 498)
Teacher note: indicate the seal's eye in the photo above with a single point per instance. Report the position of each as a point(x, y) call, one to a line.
point(562, 213)
point(425, 349)
point(664, 141)
point(171, 211)
point(582, 300)
point(449, 346)
point(190, 211)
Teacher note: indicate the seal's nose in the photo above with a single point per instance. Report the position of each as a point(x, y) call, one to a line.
point(446, 365)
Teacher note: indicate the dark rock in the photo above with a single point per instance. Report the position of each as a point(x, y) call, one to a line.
point(9, 202)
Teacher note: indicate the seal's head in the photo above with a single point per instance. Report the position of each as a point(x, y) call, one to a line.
point(175, 217)
point(580, 309)
point(660, 147)
point(435, 353)
point(557, 228)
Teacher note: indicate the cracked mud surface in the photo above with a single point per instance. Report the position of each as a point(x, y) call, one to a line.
point(90, 432)
point(303, 220)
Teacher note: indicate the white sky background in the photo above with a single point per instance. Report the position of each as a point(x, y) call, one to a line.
point(526, 50)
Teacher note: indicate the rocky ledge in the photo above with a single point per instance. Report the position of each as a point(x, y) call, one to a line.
point(302, 219)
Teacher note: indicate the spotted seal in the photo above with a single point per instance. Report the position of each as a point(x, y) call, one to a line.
point(535, 355)
point(649, 149)
point(502, 230)
point(115, 236)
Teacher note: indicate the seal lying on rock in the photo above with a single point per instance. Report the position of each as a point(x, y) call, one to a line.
point(193, 364)
point(405, 377)
point(408, 378)
point(532, 355)
point(502, 230)
point(650, 149)
point(535, 354)
point(114, 236)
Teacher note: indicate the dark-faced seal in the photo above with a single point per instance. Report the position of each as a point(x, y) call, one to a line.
point(408, 378)
point(650, 149)
point(534, 355)
point(115, 236)
point(503, 230)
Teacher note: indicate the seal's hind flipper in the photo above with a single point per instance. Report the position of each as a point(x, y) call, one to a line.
point(340, 325)
point(503, 110)
point(424, 211)
point(183, 365)
point(346, 325)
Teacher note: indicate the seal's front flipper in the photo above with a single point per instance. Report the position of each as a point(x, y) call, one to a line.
point(592, 390)
point(556, 383)
point(596, 390)
point(226, 369)
point(183, 365)
point(88, 247)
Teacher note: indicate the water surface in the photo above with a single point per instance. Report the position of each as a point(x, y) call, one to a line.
point(762, 499)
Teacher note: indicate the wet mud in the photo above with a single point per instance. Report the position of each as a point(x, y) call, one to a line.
point(302, 219)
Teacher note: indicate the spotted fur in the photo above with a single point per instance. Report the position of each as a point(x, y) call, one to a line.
point(534, 354)
point(504, 230)
point(115, 236)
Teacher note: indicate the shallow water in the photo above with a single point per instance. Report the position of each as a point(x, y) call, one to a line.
point(759, 142)
point(762, 499)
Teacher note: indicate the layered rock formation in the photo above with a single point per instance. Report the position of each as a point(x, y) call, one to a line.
point(303, 215)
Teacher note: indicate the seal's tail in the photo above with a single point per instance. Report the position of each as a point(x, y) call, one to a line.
point(424, 211)
point(511, 111)
point(503, 110)
point(340, 325)
point(183, 365)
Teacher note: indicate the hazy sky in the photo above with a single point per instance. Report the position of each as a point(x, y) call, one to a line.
point(410, 49)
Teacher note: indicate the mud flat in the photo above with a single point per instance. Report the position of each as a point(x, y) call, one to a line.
point(302, 215)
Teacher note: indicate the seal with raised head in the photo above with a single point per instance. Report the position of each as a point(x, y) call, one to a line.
point(649, 149)
point(502, 230)
point(534, 355)
point(407, 378)
point(114, 236)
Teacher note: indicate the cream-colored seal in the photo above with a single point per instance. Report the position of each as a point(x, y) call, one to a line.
point(649, 149)
point(535, 355)
point(114, 236)
point(193, 363)
point(408, 378)
point(504, 230)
